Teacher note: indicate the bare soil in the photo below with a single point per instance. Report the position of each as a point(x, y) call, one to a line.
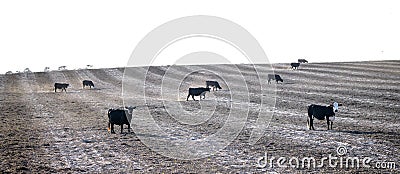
point(66, 132)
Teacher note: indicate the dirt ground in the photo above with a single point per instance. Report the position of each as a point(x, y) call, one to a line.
point(66, 132)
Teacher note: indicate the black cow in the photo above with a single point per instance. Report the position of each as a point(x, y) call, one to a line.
point(322, 113)
point(274, 77)
point(302, 61)
point(87, 83)
point(295, 65)
point(197, 92)
point(120, 117)
point(213, 84)
point(62, 86)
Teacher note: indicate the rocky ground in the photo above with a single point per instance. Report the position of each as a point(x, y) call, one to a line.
point(66, 132)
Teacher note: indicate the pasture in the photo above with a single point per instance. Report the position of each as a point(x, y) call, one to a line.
point(42, 131)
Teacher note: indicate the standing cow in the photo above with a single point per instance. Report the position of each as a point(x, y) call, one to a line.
point(295, 65)
point(322, 113)
point(275, 77)
point(87, 83)
point(213, 84)
point(120, 117)
point(62, 86)
point(197, 92)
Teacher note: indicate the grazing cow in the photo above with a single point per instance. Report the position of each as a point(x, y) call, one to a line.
point(213, 84)
point(322, 113)
point(120, 117)
point(274, 77)
point(302, 61)
point(62, 86)
point(197, 92)
point(88, 83)
point(295, 65)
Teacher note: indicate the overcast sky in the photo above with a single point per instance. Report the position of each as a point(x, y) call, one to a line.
point(36, 34)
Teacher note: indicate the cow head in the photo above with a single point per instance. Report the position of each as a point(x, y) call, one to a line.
point(130, 109)
point(335, 106)
point(208, 89)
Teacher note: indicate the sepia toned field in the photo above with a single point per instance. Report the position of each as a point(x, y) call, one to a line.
point(46, 132)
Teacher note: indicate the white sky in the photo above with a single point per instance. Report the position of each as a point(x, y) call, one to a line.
point(74, 33)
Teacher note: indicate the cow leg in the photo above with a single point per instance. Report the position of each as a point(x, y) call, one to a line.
point(327, 118)
point(193, 98)
point(129, 127)
point(112, 128)
point(312, 123)
point(187, 98)
point(55, 89)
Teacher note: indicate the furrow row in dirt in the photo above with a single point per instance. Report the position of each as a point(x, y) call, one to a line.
point(63, 132)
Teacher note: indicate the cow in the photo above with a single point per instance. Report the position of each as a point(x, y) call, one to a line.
point(197, 92)
point(87, 83)
point(213, 84)
point(295, 65)
point(274, 77)
point(119, 116)
point(62, 86)
point(302, 61)
point(322, 113)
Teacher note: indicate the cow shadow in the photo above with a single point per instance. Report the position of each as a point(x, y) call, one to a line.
point(367, 132)
point(360, 132)
point(92, 89)
point(289, 83)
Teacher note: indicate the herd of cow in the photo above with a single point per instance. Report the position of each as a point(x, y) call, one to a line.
point(121, 116)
